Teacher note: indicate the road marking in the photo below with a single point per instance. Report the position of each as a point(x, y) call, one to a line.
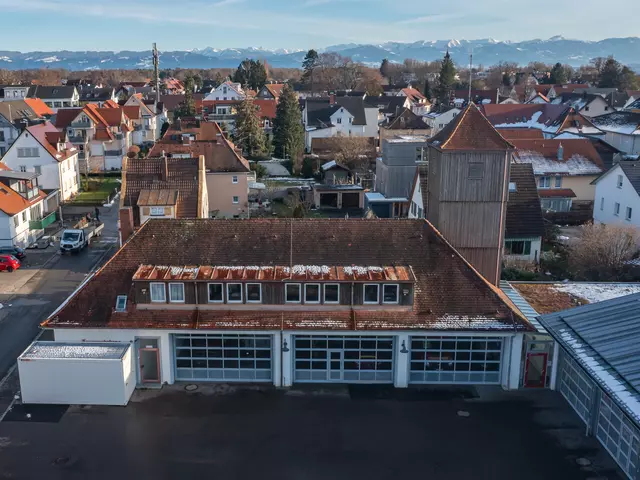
point(13, 402)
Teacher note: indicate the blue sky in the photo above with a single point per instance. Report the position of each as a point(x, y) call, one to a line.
point(185, 24)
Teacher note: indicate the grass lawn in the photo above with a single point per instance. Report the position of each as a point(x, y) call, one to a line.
point(283, 210)
point(98, 190)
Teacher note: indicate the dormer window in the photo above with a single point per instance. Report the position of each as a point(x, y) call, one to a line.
point(216, 293)
point(390, 294)
point(254, 293)
point(176, 292)
point(158, 294)
point(292, 293)
point(332, 293)
point(312, 293)
point(234, 293)
point(121, 303)
point(371, 293)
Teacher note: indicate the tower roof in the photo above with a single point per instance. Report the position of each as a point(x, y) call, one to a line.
point(470, 130)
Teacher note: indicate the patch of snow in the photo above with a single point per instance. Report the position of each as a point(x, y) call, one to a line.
point(51, 59)
point(597, 292)
point(470, 322)
point(575, 165)
point(5, 59)
point(328, 165)
point(531, 123)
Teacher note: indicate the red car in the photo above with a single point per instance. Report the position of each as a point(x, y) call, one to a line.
point(9, 263)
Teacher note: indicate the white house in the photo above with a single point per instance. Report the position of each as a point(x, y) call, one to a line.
point(44, 150)
point(14, 92)
point(150, 123)
point(56, 97)
point(588, 104)
point(618, 195)
point(227, 91)
point(622, 130)
point(438, 120)
point(23, 213)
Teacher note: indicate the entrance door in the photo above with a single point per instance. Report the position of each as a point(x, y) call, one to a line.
point(148, 361)
point(334, 364)
point(535, 374)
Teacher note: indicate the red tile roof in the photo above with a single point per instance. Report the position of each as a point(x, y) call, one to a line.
point(556, 192)
point(12, 203)
point(470, 130)
point(521, 133)
point(548, 148)
point(266, 108)
point(39, 107)
point(545, 113)
point(132, 111)
point(448, 295)
point(46, 133)
point(275, 89)
point(219, 157)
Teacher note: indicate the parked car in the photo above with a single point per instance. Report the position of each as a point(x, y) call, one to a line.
point(17, 252)
point(9, 263)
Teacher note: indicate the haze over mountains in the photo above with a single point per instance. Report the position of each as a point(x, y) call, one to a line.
point(485, 51)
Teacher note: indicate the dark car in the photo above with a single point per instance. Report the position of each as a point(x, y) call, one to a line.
point(15, 251)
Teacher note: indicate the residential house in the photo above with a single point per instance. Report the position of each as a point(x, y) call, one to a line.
point(608, 153)
point(47, 152)
point(419, 192)
point(56, 97)
point(222, 112)
point(468, 189)
point(98, 95)
point(617, 100)
point(13, 92)
point(622, 130)
point(479, 97)
point(524, 225)
point(617, 197)
point(172, 86)
point(406, 123)
point(15, 115)
point(389, 106)
point(588, 104)
point(23, 213)
point(126, 91)
point(150, 121)
point(338, 189)
point(255, 287)
point(420, 105)
point(439, 119)
point(564, 171)
point(538, 98)
point(266, 110)
point(227, 91)
point(161, 187)
point(227, 172)
point(334, 116)
point(271, 91)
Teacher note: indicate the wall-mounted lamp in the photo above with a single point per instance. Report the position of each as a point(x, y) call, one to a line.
point(405, 291)
point(285, 346)
point(404, 348)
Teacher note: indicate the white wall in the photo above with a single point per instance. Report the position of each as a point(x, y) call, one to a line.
point(319, 133)
point(20, 235)
point(534, 255)
point(371, 129)
point(625, 143)
point(607, 189)
point(416, 206)
point(220, 94)
point(597, 107)
point(439, 122)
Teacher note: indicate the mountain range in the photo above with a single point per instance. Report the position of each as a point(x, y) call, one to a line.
point(485, 51)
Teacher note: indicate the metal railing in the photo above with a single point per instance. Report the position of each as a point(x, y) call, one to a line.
point(80, 124)
point(42, 223)
point(82, 140)
point(113, 153)
point(217, 116)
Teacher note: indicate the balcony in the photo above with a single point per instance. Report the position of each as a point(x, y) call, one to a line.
point(43, 222)
point(86, 124)
point(216, 117)
point(113, 153)
point(80, 140)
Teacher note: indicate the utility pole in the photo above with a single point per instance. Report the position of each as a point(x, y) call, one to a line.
point(156, 71)
point(470, 71)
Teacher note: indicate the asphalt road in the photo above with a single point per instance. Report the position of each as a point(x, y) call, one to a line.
point(26, 307)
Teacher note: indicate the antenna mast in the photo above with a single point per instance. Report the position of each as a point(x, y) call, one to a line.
point(156, 71)
point(470, 71)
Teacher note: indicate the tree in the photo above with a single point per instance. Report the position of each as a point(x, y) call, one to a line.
point(164, 128)
point(446, 80)
point(506, 79)
point(197, 81)
point(257, 75)
point(602, 251)
point(249, 134)
point(610, 73)
point(558, 75)
point(260, 170)
point(384, 68)
point(355, 153)
point(188, 107)
point(288, 133)
point(308, 64)
point(242, 73)
point(370, 82)
point(219, 79)
point(427, 89)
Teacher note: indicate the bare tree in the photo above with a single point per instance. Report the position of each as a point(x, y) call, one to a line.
point(355, 153)
point(602, 251)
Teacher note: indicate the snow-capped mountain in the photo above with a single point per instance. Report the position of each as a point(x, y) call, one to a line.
point(487, 51)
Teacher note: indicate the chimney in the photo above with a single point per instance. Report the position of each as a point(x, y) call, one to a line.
point(332, 99)
point(560, 152)
point(165, 168)
point(125, 215)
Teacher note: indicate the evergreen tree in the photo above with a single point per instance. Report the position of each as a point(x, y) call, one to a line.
point(308, 64)
point(506, 80)
point(257, 75)
point(558, 75)
point(446, 81)
point(249, 134)
point(384, 68)
point(242, 73)
point(188, 107)
point(610, 74)
point(427, 89)
point(288, 133)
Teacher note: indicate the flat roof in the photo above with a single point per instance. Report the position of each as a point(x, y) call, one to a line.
point(18, 175)
point(377, 197)
point(93, 350)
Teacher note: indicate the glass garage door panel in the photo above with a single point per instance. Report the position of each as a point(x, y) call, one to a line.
point(619, 436)
point(223, 357)
point(343, 359)
point(463, 360)
point(575, 385)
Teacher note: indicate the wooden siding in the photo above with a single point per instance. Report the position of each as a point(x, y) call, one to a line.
point(143, 295)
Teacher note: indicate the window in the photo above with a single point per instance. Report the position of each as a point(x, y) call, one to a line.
point(157, 211)
point(332, 293)
point(628, 214)
point(338, 120)
point(619, 183)
point(236, 200)
point(292, 293)
point(602, 204)
point(390, 293)
point(419, 212)
point(234, 293)
point(28, 152)
point(517, 247)
point(558, 182)
point(254, 293)
point(234, 179)
point(176, 292)
point(121, 303)
point(215, 293)
point(586, 109)
point(312, 293)
point(158, 293)
point(616, 208)
point(476, 171)
point(16, 220)
point(24, 216)
point(23, 168)
point(37, 169)
point(371, 293)
point(544, 182)
point(512, 187)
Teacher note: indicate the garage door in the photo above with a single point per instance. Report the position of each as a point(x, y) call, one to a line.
point(619, 436)
point(464, 360)
point(345, 359)
point(223, 357)
point(350, 200)
point(575, 385)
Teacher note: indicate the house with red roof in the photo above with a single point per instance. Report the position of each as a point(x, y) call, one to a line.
point(46, 151)
point(148, 123)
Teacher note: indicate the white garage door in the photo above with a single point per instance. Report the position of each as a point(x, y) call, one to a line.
point(575, 385)
point(227, 357)
point(463, 360)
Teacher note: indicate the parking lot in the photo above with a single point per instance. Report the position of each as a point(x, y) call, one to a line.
point(338, 432)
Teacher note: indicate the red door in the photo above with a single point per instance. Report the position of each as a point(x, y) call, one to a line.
point(535, 373)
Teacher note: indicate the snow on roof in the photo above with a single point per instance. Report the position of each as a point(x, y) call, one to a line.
point(328, 165)
point(531, 123)
point(627, 123)
point(575, 165)
point(407, 139)
point(477, 322)
point(597, 292)
point(97, 351)
point(378, 197)
point(257, 186)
